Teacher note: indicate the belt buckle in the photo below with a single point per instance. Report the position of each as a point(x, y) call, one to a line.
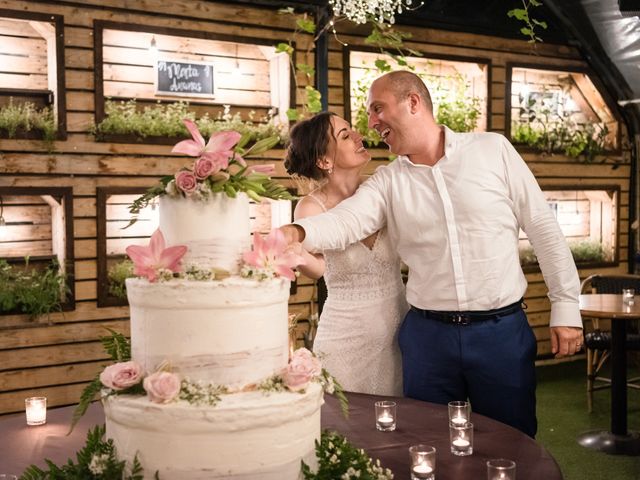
point(460, 319)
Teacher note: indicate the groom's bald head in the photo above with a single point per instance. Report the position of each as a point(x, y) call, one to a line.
point(402, 83)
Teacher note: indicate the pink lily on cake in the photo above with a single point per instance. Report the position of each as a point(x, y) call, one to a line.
point(150, 261)
point(269, 257)
point(218, 150)
point(218, 168)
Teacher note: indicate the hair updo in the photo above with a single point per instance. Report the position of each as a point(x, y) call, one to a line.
point(308, 141)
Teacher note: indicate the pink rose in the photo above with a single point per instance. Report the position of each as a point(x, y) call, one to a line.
point(205, 167)
point(302, 368)
point(121, 375)
point(162, 387)
point(186, 181)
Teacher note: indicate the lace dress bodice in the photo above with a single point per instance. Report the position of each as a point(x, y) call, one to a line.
point(357, 333)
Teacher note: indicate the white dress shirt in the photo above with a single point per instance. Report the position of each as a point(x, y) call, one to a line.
point(456, 225)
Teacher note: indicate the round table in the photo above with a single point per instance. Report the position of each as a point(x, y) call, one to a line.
point(418, 422)
point(618, 440)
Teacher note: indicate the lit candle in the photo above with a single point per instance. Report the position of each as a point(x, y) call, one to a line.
point(36, 410)
point(385, 420)
point(461, 443)
point(459, 420)
point(422, 471)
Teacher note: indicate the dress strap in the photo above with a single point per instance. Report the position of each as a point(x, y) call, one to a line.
point(318, 201)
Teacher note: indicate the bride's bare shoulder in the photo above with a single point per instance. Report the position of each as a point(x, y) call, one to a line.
point(307, 206)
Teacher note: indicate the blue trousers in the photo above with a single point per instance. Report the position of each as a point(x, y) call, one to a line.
point(490, 363)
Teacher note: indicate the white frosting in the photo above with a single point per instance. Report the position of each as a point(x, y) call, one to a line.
point(246, 436)
point(231, 332)
point(216, 230)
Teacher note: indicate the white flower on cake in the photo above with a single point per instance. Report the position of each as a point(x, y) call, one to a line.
point(270, 258)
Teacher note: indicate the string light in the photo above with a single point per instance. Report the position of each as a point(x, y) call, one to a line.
point(153, 48)
point(382, 11)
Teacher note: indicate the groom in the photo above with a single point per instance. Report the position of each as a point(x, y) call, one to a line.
point(453, 204)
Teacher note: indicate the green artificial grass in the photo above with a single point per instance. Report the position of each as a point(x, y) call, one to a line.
point(563, 415)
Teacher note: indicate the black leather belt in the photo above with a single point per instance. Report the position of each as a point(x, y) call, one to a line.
point(465, 318)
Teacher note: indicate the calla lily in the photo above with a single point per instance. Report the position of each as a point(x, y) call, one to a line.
point(269, 254)
point(149, 260)
point(219, 148)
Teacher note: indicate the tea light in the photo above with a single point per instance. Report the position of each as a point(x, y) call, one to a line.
point(459, 412)
point(628, 296)
point(423, 462)
point(385, 416)
point(36, 410)
point(501, 469)
point(461, 439)
point(422, 472)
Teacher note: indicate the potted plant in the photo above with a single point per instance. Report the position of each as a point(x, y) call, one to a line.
point(32, 291)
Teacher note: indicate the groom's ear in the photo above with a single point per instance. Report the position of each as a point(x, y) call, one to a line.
point(414, 102)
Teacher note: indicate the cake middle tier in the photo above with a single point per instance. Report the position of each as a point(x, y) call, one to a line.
point(232, 332)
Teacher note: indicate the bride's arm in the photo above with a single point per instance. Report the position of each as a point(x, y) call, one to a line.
point(314, 263)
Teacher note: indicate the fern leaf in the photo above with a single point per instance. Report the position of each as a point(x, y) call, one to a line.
point(88, 394)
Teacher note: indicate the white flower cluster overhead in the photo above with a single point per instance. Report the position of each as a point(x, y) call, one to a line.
point(359, 11)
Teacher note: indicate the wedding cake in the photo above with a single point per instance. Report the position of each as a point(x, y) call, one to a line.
point(225, 338)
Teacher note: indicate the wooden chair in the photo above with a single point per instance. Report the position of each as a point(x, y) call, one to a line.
point(598, 342)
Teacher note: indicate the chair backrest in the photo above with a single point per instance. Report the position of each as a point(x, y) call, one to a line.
point(609, 283)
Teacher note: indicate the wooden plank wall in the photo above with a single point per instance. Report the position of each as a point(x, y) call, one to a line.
point(129, 69)
point(23, 52)
point(57, 357)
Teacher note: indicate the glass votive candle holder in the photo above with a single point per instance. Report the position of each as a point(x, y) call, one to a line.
point(501, 469)
point(36, 410)
point(385, 416)
point(459, 412)
point(628, 296)
point(461, 439)
point(423, 462)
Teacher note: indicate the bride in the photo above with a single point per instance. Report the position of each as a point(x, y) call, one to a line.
point(357, 331)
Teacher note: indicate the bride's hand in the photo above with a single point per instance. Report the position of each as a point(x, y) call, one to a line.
point(296, 248)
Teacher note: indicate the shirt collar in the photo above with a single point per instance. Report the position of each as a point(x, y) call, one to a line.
point(450, 141)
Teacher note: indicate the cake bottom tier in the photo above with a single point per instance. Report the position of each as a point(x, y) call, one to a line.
point(245, 436)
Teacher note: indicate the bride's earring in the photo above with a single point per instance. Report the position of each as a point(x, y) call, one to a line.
point(329, 170)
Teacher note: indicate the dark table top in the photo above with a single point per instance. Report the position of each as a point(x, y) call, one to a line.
point(418, 422)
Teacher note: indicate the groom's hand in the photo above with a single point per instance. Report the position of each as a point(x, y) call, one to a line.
point(565, 341)
point(293, 233)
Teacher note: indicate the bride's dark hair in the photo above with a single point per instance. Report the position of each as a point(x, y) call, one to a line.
point(308, 141)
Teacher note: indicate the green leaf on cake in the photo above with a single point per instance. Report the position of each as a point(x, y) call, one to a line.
point(117, 346)
point(88, 395)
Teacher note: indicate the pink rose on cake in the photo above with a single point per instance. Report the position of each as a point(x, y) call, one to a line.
point(121, 376)
point(302, 368)
point(162, 387)
point(186, 182)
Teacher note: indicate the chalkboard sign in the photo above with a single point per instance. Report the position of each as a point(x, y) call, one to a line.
point(191, 79)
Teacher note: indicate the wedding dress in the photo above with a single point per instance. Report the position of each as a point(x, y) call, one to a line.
point(357, 335)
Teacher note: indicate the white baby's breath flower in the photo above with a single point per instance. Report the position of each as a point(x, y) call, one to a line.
point(171, 188)
point(98, 463)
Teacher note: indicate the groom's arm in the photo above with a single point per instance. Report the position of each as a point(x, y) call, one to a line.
point(350, 221)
